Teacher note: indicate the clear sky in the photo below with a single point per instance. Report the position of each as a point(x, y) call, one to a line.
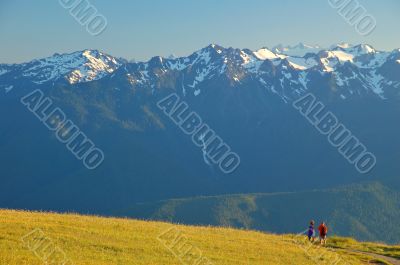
point(141, 29)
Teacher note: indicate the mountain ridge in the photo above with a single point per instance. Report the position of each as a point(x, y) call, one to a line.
point(356, 66)
point(343, 208)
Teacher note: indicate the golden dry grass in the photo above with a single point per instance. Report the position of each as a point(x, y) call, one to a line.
point(100, 241)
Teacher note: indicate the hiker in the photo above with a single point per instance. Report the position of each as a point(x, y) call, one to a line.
point(323, 231)
point(311, 231)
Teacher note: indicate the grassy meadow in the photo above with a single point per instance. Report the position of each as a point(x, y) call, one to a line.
point(35, 238)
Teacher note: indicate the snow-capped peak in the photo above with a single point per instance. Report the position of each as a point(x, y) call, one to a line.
point(215, 47)
point(355, 50)
point(95, 66)
point(365, 49)
point(264, 54)
point(292, 64)
point(76, 67)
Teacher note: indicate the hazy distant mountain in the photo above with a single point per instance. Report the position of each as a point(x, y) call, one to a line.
point(299, 50)
point(365, 211)
point(244, 96)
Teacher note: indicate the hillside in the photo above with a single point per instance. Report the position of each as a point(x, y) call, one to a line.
point(94, 240)
point(363, 211)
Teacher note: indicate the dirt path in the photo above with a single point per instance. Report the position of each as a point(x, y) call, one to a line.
point(392, 261)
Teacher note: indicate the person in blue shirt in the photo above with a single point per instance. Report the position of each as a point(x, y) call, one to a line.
point(311, 231)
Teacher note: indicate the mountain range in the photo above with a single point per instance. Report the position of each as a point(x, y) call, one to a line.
point(280, 68)
point(245, 96)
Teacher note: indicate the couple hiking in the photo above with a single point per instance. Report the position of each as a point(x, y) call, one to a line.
point(323, 231)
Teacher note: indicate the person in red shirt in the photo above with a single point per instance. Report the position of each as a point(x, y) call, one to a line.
point(323, 231)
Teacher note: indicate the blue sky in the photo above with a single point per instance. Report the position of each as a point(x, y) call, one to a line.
point(141, 29)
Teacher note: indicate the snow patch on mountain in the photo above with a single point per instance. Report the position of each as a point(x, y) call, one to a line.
point(264, 54)
point(303, 80)
point(282, 69)
point(251, 62)
point(375, 83)
point(341, 56)
point(203, 56)
point(379, 58)
point(354, 51)
point(3, 71)
point(342, 80)
point(77, 67)
point(8, 88)
point(178, 64)
point(201, 76)
point(301, 63)
point(361, 49)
